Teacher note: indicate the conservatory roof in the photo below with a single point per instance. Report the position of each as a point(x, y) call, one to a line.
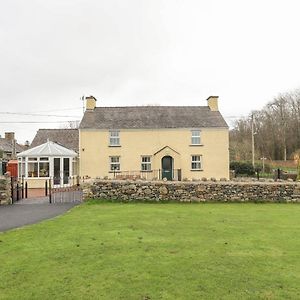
point(48, 149)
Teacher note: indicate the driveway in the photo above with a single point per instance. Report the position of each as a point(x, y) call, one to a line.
point(18, 215)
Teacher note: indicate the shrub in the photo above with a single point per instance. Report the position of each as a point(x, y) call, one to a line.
point(259, 166)
point(242, 168)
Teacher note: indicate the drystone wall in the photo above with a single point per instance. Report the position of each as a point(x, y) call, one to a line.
point(193, 191)
point(5, 191)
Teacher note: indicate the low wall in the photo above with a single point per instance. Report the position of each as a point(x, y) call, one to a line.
point(193, 191)
point(5, 191)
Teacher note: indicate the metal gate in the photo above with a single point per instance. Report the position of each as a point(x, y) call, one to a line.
point(65, 194)
point(17, 189)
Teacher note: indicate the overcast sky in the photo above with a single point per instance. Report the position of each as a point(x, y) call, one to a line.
point(136, 52)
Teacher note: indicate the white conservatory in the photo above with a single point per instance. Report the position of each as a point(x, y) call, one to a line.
point(48, 161)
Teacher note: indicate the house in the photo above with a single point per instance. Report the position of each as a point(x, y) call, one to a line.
point(154, 142)
point(8, 150)
point(69, 138)
point(9, 147)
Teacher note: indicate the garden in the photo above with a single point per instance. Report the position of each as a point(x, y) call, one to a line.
point(102, 250)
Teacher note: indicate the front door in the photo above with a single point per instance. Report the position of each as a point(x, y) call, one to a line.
point(167, 167)
point(56, 171)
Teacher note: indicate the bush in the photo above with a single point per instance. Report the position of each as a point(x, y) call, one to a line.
point(268, 168)
point(242, 168)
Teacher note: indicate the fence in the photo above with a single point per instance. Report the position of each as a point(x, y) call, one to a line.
point(18, 189)
point(159, 174)
point(64, 193)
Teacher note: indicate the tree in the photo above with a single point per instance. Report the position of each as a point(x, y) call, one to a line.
point(277, 128)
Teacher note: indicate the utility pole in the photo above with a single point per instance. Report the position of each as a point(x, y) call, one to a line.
point(14, 152)
point(263, 163)
point(252, 136)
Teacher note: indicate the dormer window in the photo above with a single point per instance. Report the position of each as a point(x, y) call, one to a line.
point(114, 138)
point(196, 137)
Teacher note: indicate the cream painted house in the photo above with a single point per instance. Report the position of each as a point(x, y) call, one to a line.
point(154, 142)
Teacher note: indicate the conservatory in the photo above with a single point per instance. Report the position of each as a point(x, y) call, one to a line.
point(48, 161)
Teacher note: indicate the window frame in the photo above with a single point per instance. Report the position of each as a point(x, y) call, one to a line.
point(193, 162)
point(195, 136)
point(114, 135)
point(38, 161)
point(147, 164)
point(111, 163)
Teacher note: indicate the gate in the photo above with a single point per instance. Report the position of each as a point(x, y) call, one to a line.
point(62, 194)
point(17, 189)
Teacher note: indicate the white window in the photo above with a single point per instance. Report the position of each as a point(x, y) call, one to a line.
point(195, 137)
point(114, 138)
point(44, 167)
point(38, 167)
point(196, 162)
point(146, 163)
point(21, 166)
point(115, 163)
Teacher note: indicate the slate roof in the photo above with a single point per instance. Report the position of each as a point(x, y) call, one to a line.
point(6, 146)
point(68, 138)
point(152, 117)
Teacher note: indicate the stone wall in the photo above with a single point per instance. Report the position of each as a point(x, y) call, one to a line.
point(5, 191)
point(193, 191)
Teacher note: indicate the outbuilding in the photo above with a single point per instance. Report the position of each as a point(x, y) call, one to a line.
point(48, 161)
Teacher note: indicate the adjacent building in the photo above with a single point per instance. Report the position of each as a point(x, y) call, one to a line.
point(8, 150)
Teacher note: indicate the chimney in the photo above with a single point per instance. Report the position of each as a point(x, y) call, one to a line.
point(212, 102)
point(90, 103)
point(9, 136)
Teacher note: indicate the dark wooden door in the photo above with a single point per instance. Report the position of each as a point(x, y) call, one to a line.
point(167, 167)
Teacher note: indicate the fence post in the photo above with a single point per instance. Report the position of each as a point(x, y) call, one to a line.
point(22, 187)
point(46, 187)
point(278, 173)
point(50, 200)
point(18, 192)
point(12, 189)
point(26, 190)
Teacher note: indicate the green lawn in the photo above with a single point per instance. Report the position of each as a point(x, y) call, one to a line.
point(156, 251)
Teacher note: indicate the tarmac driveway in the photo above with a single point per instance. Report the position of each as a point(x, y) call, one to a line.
point(18, 215)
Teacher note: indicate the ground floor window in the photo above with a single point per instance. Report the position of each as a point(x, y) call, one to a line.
point(38, 167)
point(115, 163)
point(196, 163)
point(146, 163)
point(21, 166)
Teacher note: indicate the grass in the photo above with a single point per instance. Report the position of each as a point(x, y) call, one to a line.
point(156, 251)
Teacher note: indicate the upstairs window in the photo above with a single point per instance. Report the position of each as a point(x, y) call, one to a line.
point(196, 162)
point(115, 163)
point(146, 163)
point(114, 138)
point(196, 137)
